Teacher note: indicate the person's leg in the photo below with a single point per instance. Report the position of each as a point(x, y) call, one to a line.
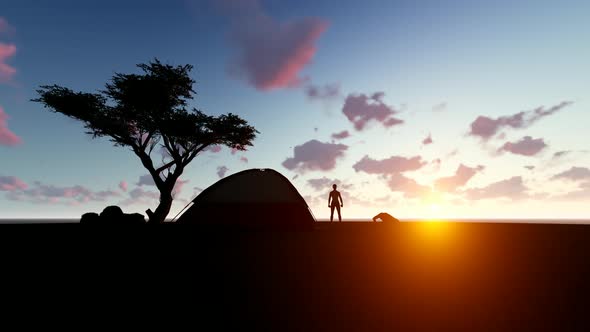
point(339, 216)
point(331, 212)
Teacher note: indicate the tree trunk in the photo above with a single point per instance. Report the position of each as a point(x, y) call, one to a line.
point(162, 210)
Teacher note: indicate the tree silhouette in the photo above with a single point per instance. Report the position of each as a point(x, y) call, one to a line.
point(149, 110)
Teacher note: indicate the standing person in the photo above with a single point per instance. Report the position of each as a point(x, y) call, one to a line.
point(334, 203)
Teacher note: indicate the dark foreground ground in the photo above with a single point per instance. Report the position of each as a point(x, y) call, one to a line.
point(349, 276)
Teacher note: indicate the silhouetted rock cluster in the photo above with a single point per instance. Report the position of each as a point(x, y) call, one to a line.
point(112, 215)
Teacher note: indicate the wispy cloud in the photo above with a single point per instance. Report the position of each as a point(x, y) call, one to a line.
point(341, 135)
point(315, 156)
point(361, 109)
point(574, 174)
point(6, 71)
point(221, 170)
point(12, 183)
point(7, 137)
point(512, 188)
point(325, 183)
point(527, 146)
point(41, 193)
point(326, 92)
point(462, 175)
point(391, 165)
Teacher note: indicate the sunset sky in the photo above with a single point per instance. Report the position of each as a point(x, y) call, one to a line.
point(419, 108)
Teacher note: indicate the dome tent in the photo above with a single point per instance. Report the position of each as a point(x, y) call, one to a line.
point(250, 199)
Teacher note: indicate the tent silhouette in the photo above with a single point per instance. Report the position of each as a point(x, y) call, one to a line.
point(250, 199)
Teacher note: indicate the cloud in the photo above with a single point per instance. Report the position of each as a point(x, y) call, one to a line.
point(560, 154)
point(6, 71)
point(270, 54)
point(341, 135)
point(178, 187)
point(11, 183)
point(582, 193)
point(462, 175)
point(141, 196)
point(529, 167)
point(527, 146)
point(52, 194)
point(244, 159)
point(485, 127)
point(5, 27)
point(145, 180)
point(391, 165)
point(221, 170)
point(409, 187)
point(361, 109)
point(325, 183)
point(198, 190)
point(512, 188)
point(123, 186)
point(326, 92)
point(7, 137)
point(574, 174)
point(439, 107)
point(315, 156)
point(427, 140)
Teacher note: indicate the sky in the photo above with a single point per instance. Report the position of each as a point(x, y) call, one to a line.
point(422, 109)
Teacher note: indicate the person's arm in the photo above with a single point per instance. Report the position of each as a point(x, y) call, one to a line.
point(341, 201)
point(329, 198)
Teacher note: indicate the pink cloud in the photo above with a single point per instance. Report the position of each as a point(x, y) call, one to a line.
point(221, 170)
point(326, 92)
point(574, 174)
point(270, 54)
point(341, 135)
point(391, 165)
point(560, 154)
point(512, 188)
point(7, 137)
point(140, 196)
point(439, 107)
point(485, 127)
point(527, 146)
point(315, 156)
point(11, 183)
point(146, 180)
point(6, 71)
point(409, 187)
point(123, 186)
point(244, 159)
point(326, 184)
point(427, 140)
point(361, 109)
point(5, 27)
point(213, 148)
point(461, 177)
point(178, 186)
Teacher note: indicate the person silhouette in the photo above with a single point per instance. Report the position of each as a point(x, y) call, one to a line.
point(333, 203)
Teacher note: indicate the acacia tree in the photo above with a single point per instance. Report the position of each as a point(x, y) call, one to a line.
point(149, 110)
